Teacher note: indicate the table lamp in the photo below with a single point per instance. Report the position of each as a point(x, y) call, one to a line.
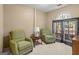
point(37, 31)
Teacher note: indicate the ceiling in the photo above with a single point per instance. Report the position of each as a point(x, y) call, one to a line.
point(46, 7)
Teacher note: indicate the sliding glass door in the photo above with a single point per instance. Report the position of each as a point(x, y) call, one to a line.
point(65, 30)
point(57, 30)
point(69, 30)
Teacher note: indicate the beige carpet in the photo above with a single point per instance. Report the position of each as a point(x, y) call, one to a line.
point(52, 49)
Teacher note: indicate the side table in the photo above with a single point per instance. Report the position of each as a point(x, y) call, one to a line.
point(36, 40)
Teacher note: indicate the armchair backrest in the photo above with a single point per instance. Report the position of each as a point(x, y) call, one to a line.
point(17, 35)
point(44, 31)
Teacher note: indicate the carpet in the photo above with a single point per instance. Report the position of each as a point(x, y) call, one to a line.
point(52, 49)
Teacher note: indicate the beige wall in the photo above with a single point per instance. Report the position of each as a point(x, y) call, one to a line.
point(40, 19)
point(72, 9)
point(1, 27)
point(21, 17)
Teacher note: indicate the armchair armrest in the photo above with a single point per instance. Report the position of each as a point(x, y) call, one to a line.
point(13, 46)
point(29, 39)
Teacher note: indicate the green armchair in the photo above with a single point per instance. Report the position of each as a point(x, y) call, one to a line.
point(46, 36)
point(19, 44)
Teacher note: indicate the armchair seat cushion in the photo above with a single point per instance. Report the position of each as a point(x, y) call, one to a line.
point(49, 38)
point(24, 44)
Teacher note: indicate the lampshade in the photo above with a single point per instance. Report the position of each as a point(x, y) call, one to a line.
point(37, 29)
